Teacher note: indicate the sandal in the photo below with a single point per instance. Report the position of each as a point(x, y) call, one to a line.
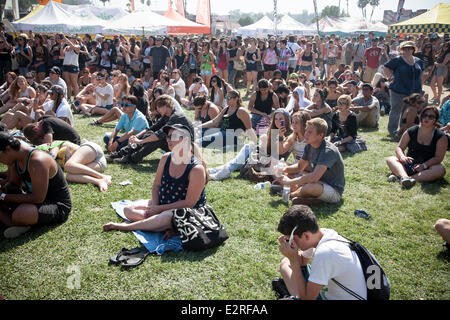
point(136, 259)
point(123, 255)
point(95, 123)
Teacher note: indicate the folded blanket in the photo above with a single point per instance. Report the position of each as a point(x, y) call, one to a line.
point(153, 241)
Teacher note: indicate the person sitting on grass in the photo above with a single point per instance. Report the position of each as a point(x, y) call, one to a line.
point(319, 108)
point(48, 129)
point(262, 103)
point(410, 115)
point(426, 150)
point(132, 121)
point(180, 169)
point(366, 108)
point(297, 100)
point(104, 95)
point(344, 127)
point(58, 106)
point(204, 110)
point(20, 119)
point(442, 227)
point(46, 200)
point(326, 181)
point(153, 138)
point(334, 262)
point(82, 164)
point(86, 95)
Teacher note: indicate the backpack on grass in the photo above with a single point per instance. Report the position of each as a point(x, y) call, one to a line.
point(378, 286)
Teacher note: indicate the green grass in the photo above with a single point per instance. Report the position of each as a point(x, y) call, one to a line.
point(400, 234)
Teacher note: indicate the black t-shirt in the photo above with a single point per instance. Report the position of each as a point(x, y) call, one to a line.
point(160, 55)
point(60, 129)
point(343, 130)
point(419, 152)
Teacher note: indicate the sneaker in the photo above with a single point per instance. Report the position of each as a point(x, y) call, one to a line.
point(112, 156)
point(393, 178)
point(281, 291)
point(407, 182)
point(223, 174)
point(14, 232)
point(214, 170)
point(122, 160)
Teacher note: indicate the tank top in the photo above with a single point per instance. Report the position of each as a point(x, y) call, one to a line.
point(231, 122)
point(70, 58)
point(57, 190)
point(207, 118)
point(222, 61)
point(419, 152)
point(206, 65)
point(25, 94)
point(250, 56)
point(175, 189)
point(266, 105)
point(232, 52)
point(271, 57)
point(299, 149)
point(307, 58)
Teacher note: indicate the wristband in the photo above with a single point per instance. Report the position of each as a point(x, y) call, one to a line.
point(2, 197)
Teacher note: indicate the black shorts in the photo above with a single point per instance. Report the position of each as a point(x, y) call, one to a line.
point(51, 213)
point(270, 67)
point(356, 65)
point(71, 69)
point(250, 67)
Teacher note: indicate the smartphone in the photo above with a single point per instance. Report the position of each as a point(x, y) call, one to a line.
point(282, 123)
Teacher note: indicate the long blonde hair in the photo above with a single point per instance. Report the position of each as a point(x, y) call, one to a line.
point(303, 116)
point(14, 89)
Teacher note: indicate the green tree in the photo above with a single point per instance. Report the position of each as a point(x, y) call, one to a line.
point(331, 11)
point(245, 21)
point(363, 4)
point(374, 4)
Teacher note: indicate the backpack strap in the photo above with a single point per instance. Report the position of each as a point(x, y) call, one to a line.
point(357, 296)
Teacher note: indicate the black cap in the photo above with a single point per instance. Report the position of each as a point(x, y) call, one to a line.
point(56, 70)
point(180, 127)
point(353, 82)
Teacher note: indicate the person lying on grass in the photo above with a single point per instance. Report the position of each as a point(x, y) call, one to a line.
point(326, 181)
point(426, 150)
point(83, 164)
point(46, 200)
point(179, 183)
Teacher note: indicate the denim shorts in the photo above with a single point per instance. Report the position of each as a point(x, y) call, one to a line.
point(71, 69)
point(108, 107)
point(305, 68)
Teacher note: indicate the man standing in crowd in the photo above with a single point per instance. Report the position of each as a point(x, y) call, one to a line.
point(159, 57)
point(372, 58)
point(358, 54)
point(294, 48)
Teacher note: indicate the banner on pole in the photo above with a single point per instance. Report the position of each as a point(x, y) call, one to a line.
point(203, 12)
point(180, 7)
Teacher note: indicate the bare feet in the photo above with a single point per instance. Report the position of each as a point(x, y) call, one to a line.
point(102, 185)
point(108, 179)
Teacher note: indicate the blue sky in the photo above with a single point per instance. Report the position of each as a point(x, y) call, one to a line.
point(285, 6)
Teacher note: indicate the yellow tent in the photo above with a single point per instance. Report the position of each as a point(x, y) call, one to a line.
point(436, 20)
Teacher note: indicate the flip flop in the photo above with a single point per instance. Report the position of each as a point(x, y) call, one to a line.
point(135, 259)
point(122, 255)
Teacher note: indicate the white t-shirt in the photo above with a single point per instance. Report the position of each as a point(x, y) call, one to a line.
point(63, 110)
point(334, 259)
point(108, 89)
point(203, 88)
point(294, 46)
point(312, 76)
point(180, 88)
point(147, 54)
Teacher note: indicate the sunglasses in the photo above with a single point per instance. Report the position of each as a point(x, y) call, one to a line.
point(342, 102)
point(291, 238)
point(123, 104)
point(174, 136)
point(429, 116)
point(230, 97)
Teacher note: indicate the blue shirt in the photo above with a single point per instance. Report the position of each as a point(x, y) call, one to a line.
point(407, 78)
point(444, 117)
point(138, 122)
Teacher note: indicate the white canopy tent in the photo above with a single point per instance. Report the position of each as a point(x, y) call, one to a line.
point(53, 18)
point(286, 25)
point(349, 25)
point(252, 30)
point(139, 22)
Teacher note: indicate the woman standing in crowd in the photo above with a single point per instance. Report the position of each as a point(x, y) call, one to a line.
point(71, 68)
point(23, 54)
point(193, 59)
point(222, 64)
point(206, 63)
point(41, 58)
point(440, 72)
point(270, 59)
point(406, 73)
point(233, 55)
point(179, 56)
point(308, 60)
point(252, 56)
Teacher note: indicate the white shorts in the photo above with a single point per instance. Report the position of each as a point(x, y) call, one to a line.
point(292, 64)
point(329, 194)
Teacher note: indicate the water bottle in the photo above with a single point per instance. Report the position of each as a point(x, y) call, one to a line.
point(262, 185)
point(279, 168)
point(286, 193)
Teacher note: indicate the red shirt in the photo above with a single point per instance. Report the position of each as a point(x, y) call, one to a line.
point(373, 57)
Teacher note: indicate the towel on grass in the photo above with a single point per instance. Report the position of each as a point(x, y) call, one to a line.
point(153, 241)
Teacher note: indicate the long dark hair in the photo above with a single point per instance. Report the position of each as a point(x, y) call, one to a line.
point(219, 85)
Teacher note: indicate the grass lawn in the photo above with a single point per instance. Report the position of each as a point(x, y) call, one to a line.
point(41, 264)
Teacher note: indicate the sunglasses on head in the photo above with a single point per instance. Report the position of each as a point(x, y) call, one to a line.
point(174, 136)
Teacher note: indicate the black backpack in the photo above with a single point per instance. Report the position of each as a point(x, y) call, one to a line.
point(378, 286)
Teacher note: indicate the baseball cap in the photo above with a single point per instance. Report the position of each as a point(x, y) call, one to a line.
point(353, 82)
point(56, 70)
point(407, 44)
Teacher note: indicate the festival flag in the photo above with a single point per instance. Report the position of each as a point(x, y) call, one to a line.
point(203, 12)
point(180, 7)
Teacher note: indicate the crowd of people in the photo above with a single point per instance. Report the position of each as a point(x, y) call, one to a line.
point(307, 96)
